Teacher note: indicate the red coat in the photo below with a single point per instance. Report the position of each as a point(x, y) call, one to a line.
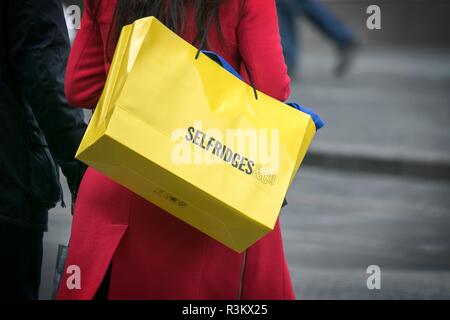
point(153, 254)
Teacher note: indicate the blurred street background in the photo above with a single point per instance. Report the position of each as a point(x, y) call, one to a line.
point(375, 186)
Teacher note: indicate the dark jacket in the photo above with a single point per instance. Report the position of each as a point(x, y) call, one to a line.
point(34, 47)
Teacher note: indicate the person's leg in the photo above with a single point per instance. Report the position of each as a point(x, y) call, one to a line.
point(288, 32)
point(326, 21)
point(334, 29)
point(21, 261)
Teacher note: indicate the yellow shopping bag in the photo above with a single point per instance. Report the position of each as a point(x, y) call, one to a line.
point(191, 138)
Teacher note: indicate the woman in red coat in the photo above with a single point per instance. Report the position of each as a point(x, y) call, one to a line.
point(127, 245)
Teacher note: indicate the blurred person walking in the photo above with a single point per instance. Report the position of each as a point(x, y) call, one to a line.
point(37, 128)
point(127, 247)
point(325, 21)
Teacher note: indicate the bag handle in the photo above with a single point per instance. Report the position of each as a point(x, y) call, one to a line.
point(221, 60)
point(223, 63)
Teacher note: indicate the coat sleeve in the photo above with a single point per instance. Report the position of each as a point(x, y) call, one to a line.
point(260, 48)
point(86, 68)
point(38, 46)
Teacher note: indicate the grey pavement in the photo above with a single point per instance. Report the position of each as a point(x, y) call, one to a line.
point(339, 223)
point(58, 233)
point(393, 108)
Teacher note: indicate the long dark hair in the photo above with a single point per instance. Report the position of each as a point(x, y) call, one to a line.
point(171, 12)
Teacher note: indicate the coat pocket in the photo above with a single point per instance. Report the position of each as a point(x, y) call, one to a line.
point(45, 187)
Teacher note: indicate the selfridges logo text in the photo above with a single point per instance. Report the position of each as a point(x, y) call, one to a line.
point(253, 152)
